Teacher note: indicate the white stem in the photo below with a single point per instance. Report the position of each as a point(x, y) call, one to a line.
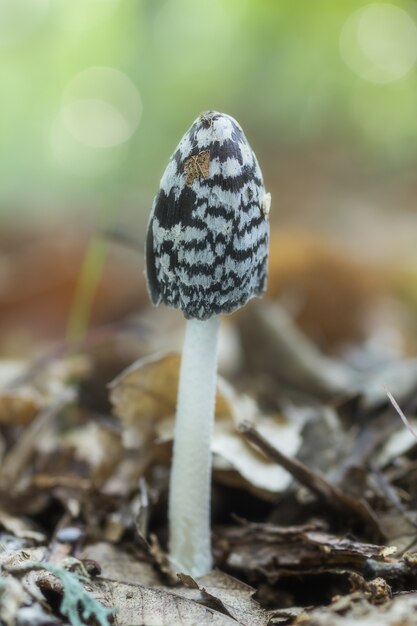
point(190, 486)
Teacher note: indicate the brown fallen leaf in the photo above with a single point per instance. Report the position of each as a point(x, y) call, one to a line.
point(117, 564)
point(222, 592)
point(232, 596)
point(138, 605)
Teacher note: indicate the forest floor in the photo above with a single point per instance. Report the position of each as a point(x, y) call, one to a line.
point(314, 499)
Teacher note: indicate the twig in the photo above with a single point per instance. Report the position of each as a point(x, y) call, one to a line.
point(401, 414)
point(314, 481)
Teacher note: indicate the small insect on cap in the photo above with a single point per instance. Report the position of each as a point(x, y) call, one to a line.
point(207, 243)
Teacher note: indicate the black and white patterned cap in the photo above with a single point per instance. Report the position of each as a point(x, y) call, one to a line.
point(207, 242)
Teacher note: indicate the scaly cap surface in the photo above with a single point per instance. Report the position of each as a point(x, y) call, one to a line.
point(207, 242)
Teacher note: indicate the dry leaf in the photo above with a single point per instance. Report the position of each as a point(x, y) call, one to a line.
point(252, 465)
point(143, 394)
point(138, 605)
point(232, 596)
point(117, 564)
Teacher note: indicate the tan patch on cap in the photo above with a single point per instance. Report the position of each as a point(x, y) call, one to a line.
point(197, 166)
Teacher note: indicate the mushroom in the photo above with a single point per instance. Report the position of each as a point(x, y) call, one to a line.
point(206, 254)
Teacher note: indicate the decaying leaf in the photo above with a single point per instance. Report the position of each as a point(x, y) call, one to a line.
point(138, 605)
point(232, 597)
point(376, 591)
point(220, 592)
point(197, 166)
point(117, 564)
point(143, 394)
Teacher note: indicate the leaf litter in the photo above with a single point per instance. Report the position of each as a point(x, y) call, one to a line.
point(314, 482)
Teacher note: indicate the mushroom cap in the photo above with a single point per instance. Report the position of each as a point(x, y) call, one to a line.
point(207, 241)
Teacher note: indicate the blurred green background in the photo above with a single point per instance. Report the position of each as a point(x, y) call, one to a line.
point(95, 94)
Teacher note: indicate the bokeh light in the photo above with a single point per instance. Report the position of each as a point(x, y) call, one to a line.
point(101, 108)
point(100, 111)
point(296, 75)
point(379, 42)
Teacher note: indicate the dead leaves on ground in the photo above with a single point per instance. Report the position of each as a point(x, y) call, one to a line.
point(93, 469)
point(319, 463)
point(213, 599)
